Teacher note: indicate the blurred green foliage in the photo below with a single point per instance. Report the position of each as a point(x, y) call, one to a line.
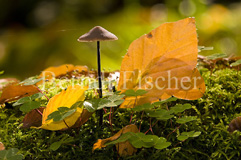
point(38, 34)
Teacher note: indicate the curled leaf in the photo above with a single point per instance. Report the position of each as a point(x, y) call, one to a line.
point(163, 62)
point(124, 148)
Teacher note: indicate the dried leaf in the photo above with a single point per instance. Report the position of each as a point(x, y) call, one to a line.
point(2, 146)
point(124, 148)
point(66, 98)
point(7, 81)
point(15, 91)
point(235, 124)
point(33, 118)
point(163, 63)
point(85, 115)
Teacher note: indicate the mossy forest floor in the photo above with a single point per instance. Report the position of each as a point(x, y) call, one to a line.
point(215, 110)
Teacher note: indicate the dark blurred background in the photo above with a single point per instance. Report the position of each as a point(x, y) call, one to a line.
point(36, 34)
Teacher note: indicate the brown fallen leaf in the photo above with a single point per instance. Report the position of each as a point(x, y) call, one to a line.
point(33, 118)
point(123, 148)
point(7, 81)
point(85, 115)
point(2, 146)
point(163, 63)
point(15, 91)
point(235, 124)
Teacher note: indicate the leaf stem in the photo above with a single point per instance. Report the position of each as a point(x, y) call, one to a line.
point(141, 121)
point(174, 131)
point(41, 92)
point(39, 112)
point(150, 129)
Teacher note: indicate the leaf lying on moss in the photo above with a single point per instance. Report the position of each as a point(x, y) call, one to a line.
point(168, 51)
point(15, 92)
point(66, 98)
point(139, 140)
point(235, 124)
point(33, 118)
point(6, 82)
point(2, 146)
point(124, 148)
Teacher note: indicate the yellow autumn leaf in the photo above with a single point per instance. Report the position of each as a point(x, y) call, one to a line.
point(66, 98)
point(163, 62)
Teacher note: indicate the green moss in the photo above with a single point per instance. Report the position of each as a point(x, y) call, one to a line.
point(220, 104)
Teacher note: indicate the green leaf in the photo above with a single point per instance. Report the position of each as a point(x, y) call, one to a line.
point(30, 105)
point(92, 105)
point(22, 100)
point(77, 104)
point(31, 81)
point(61, 114)
point(145, 106)
point(216, 56)
point(186, 119)
point(160, 114)
point(54, 146)
point(37, 95)
point(171, 99)
point(132, 93)
point(124, 137)
point(112, 101)
point(180, 108)
point(10, 154)
point(186, 135)
point(203, 48)
point(1, 72)
point(139, 140)
point(237, 63)
point(162, 143)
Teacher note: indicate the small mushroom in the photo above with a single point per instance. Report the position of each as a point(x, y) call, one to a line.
point(98, 34)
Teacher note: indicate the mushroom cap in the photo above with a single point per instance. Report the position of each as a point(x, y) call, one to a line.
point(97, 33)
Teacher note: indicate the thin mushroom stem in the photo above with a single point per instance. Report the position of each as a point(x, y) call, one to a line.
point(99, 80)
